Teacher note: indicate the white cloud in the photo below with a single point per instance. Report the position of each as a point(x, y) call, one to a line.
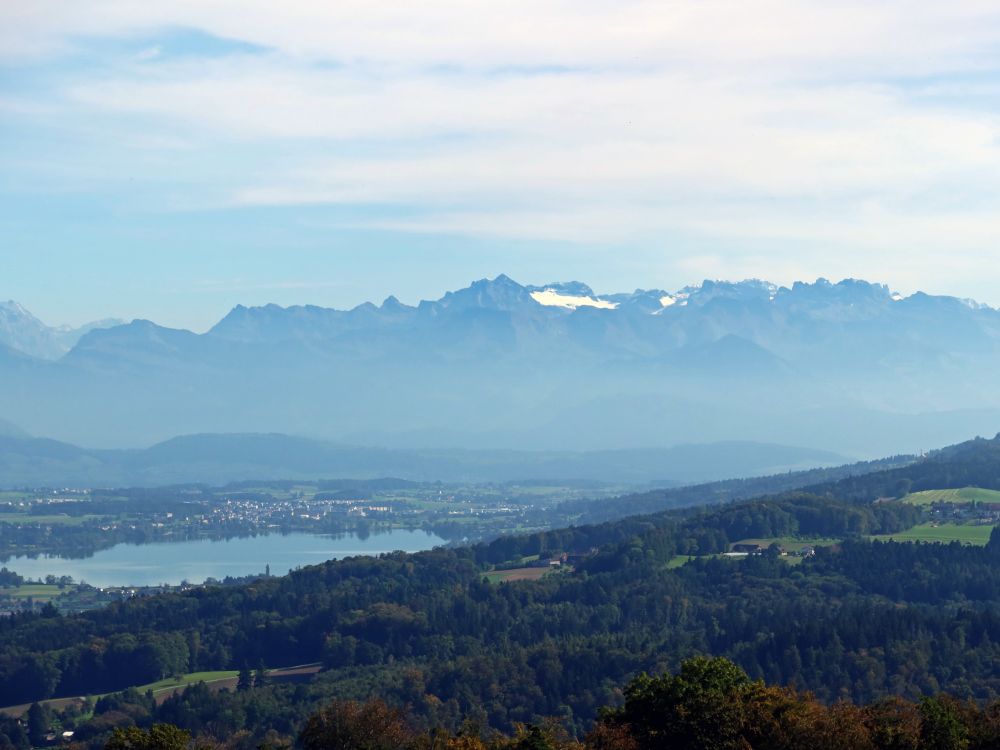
point(850, 124)
point(892, 35)
point(150, 53)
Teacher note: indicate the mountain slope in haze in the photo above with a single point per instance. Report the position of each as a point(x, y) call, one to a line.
point(9, 429)
point(219, 459)
point(21, 330)
point(972, 463)
point(849, 367)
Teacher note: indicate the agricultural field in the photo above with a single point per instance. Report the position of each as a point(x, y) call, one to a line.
point(942, 532)
point(162, 689)
point(40, 592)
point(57, 518)
point(173, 683)
point(791, 543)
point(68, 598)
point(516, 574)
point(957, 497)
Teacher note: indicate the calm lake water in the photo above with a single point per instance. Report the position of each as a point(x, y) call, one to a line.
point(194, 561)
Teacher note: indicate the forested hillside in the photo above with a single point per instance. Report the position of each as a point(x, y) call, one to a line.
point(975, 463)
point(859, 620)
point(711, 493)
point(710, 704)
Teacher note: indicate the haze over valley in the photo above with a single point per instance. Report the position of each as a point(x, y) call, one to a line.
point(846, 368)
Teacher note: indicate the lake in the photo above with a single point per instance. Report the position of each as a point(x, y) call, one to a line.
point(196, 560)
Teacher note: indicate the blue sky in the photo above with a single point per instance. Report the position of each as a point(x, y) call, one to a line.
point(171, 160)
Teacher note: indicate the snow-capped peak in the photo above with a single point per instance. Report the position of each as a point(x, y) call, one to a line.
point(16, 308)
point(553, 298)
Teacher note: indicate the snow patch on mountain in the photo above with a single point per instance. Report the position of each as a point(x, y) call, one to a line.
point(23, 332)
point(553, 298)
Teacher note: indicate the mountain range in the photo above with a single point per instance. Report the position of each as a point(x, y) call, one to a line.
point(23, 332)
point(220, 459)
point(846, 367)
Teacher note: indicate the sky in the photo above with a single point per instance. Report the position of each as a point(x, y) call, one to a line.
point(169, 160)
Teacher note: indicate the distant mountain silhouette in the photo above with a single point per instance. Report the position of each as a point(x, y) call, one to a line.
point(8, 429)
point(220, 459)
point(21, 330)
point(848, 367)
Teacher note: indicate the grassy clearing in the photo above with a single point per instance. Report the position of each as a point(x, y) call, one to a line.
point(928, 532)
point(172, 683)
point(791, 543)
point(944, 532)
point(162, 688)
point(680, 560)
point(958, 497)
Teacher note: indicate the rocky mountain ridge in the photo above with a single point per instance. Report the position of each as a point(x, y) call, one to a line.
point(847, 367)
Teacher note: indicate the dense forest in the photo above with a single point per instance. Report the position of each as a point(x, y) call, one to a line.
point(975, 463)
point(709, 704)
point(859, 621)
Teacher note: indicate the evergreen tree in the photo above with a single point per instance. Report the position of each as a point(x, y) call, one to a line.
point(245, 680)
point(39, 720)
point(260, 675)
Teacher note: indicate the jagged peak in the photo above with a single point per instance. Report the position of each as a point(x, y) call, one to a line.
point(848, 283)
point(392, 304)
point(16, 307)
point(502, 293)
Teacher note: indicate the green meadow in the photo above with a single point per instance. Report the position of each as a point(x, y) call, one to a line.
point(942, 532)
point(38, 591)
point(191, 678)
point(959, 497)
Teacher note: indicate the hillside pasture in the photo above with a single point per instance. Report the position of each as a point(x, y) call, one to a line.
point(516, 574)
point(954, 496)
point(163, 689)
point(790, 543)
point(943, 533)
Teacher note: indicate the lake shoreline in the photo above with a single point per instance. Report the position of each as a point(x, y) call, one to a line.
point(195, 561)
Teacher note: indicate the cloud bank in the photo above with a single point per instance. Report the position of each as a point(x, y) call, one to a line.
point(781, 137)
